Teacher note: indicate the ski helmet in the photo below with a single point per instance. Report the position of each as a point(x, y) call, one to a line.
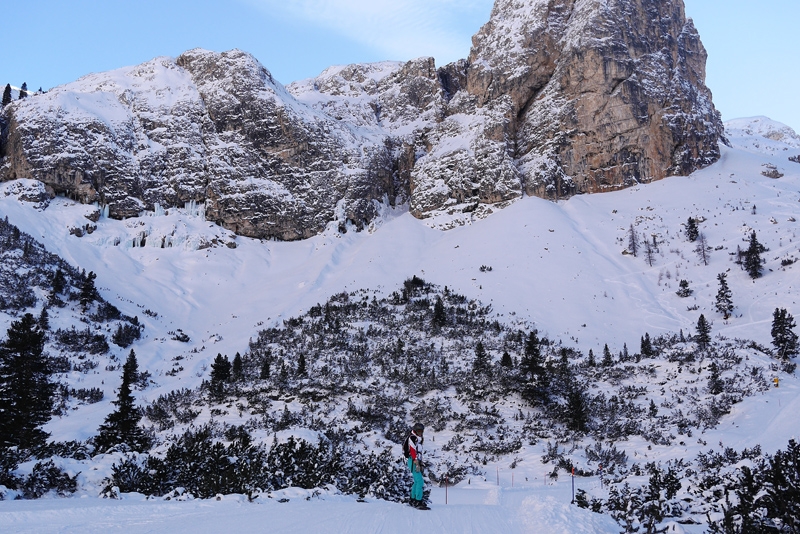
point(419, 427)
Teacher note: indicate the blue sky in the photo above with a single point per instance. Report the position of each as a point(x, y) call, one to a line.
point(753, 66)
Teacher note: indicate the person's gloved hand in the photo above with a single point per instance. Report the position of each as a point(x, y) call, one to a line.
point(416, 465)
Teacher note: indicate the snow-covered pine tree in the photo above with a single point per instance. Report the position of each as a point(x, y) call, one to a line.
point(439, 313)
point(577, 407)
point(684, 290)
point(715, 383)
point(784, 338)
point(481, 365)
point(220, 374)
point(58, 284)
point(608, 360)
point(703, 329)
point(7, 95)
point(531, 363)
point(302, 369)
point(752, 257)
point(26, 389)
point(533, 374)
point(44, 319)
point(121, 426)
point(724, 301)
point(652, 409)
point(88, 290)
point(237, 369)
point(691, 229)
point(23, 91)
point(646, 349)
point(264, 371)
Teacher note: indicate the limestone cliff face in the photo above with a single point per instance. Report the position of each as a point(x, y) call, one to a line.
point(604, 93)
point(557, 97)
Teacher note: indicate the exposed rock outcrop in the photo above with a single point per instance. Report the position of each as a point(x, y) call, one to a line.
point(206, 127)
point(557, 97)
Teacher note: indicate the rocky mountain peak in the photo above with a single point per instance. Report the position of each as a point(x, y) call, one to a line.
point(606, 93)
point(557, 97)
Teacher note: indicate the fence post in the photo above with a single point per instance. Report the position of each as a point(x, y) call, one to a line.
point(573, 485)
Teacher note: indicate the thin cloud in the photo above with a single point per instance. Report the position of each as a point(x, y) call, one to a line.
point(400, 29)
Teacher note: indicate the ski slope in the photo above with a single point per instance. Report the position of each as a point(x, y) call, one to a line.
point(483, 508)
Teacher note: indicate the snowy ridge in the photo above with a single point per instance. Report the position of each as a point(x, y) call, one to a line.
point(763, 135)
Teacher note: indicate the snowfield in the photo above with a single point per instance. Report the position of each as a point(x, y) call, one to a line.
point(481, 509)
point(559, 266)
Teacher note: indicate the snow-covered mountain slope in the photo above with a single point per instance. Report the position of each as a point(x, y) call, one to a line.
point(762, 135)
point(557, 266)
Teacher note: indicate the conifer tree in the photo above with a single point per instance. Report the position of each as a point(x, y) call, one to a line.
point(752, 257)
point(577, 407)
point(703, 337)
point(88, 291)
point(57, 286)
point(691, 229)
point(302, 370)
point(633, 242)
point(715, 384)
point(783, 337)
point(608, 360)
point(26, 389)
point(220, 374)
point(481, 363)
point(121, 427)
point(531, 364)
point(653, 409)
point(44, 319)
point(702, 248)
point(647, 346)
point(506, 361)
point(439, 313)
point(535, 381)
point(724, 302)
point(684, 290)
point(237, 368)
point(649, 251)
point(23, 91)
point(7, 95)
point(591, 362)
point(264, 373)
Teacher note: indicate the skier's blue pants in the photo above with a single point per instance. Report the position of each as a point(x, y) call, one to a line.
point(419, 484)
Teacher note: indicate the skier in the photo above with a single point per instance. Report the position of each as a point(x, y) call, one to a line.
point(412, 449)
